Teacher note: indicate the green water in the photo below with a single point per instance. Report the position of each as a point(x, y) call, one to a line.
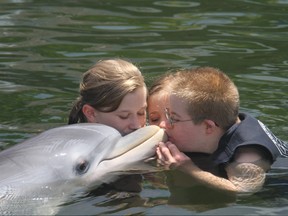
point(45, 46)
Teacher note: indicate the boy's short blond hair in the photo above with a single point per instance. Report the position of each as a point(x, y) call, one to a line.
point(210, 94)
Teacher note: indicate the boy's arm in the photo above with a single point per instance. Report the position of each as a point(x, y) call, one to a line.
point(243, 176)
point(248, 170)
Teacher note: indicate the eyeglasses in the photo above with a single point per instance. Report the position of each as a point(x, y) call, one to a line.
point(171, 120)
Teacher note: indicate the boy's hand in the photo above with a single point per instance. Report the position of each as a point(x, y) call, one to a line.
point(169, 156)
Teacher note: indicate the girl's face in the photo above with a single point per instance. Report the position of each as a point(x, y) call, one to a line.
point(156, 106)
point(130, 115)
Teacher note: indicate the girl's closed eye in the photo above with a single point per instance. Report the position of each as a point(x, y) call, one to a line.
point(142, 113)
point(126, 116)
point(154, 118)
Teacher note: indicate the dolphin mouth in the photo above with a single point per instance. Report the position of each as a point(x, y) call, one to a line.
point(133, 153)
point(142, 141)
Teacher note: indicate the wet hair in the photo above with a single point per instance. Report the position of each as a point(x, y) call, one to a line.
point(209, 93)
point(104, 86)
point(160, 87)
point(160, 84)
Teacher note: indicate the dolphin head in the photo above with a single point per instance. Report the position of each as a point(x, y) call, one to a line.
point(90, 154)
point(64, 160)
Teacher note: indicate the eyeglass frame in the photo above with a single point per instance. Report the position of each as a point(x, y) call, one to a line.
point(172, 122)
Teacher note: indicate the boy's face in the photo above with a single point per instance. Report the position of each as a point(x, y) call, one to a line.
point(186, 135)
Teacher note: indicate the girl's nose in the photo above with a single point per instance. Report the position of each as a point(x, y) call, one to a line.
point(163, 124)
point(135, 123)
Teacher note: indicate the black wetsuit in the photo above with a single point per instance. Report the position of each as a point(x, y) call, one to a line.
point(249, 131)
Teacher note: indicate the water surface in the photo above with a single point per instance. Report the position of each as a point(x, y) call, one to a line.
point(45, 46)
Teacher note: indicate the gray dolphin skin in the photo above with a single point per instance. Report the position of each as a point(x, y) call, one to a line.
point(43, 172)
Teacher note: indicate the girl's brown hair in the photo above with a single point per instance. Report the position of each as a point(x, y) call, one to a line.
point(104, 86)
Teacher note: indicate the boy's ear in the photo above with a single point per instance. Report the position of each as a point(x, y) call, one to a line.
point(210, 126)
point(89, 113)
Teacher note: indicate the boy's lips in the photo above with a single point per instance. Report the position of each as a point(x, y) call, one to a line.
point(170, 138)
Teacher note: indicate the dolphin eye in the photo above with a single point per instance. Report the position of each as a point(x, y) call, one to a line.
point(82, 167)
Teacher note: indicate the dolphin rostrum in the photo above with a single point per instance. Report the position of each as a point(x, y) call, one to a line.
point(41, 173)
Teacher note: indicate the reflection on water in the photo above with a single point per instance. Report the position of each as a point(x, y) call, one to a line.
point(45, 46)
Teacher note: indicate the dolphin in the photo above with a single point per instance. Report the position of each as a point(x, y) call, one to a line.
point(40, 174)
